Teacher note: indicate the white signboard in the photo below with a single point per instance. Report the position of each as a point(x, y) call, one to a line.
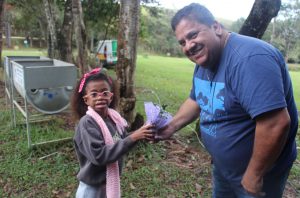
point(18, 77)
point(7, 67)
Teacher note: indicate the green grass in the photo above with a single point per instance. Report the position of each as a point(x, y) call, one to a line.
point(294, 67)
point(23, 173)
point(26, 173)
point(295, 76)
point(24, 52)
point(163, 80)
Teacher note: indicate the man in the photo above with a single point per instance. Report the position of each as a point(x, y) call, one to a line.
point(243, 94)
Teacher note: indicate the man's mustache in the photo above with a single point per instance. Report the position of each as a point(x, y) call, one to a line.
point(194, 49)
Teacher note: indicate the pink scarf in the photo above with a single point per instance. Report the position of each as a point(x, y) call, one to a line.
point(113, 189)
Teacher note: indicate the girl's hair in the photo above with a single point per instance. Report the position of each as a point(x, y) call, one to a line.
point(78, 105)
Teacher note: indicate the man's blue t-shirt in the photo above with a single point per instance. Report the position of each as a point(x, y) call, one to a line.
point(251, 79)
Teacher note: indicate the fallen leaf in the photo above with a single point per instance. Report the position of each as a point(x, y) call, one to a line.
point(68, 194)
point(177, 152)
point(171, 196)
point(129, 163)
point(141, 158)
point(198, 188)
point(55, 192)
point(132, 186)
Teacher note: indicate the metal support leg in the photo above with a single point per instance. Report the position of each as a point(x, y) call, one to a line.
point(8, 97)
point(13, 106)
point(27, 123)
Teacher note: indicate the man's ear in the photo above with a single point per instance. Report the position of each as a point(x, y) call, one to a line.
point(218, 28)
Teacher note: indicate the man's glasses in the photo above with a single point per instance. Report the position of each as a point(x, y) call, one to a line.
point(105, 94)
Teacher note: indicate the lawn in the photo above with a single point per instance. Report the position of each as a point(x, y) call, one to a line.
point(168, 78)
point(24, 52)
point(296, 86)
point(171, 169)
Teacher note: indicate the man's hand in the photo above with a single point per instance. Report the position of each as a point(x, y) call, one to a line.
point(270, 137)
point(187, 113)
point(164, 133)
point(253, 184)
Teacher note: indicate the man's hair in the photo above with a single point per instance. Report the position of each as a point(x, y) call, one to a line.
point(193, 12)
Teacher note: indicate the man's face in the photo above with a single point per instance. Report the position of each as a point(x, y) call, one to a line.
point(200, 43)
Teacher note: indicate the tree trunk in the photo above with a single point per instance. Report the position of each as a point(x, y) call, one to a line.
point(287, 49)
point(92, 41)
point(80, 35)
point(8, 34)
point(127, 46)
point(43, 28)
point(52, 52)
point(30, 41)
point(6, 20)
point(259, 18)
point(273, 31)
point(65, 35)
point(1, 30)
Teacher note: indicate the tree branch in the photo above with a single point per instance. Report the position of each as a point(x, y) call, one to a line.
point(259, 18)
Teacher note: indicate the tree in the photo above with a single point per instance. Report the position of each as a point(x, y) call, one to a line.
point(287, 30)
point(80, 35)
point(259, 18)
point(60, 33)
point(1, 11)
point(52, 37)
point(154, 31)
point(65, 35)
point(236, 25)
point(43, 19)
point(7, 24)
point(28, 18)
point(101, 19)
point(125, 68)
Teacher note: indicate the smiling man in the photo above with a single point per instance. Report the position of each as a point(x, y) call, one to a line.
point(243, 94)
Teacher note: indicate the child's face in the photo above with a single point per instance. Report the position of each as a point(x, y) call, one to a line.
point(98, 95)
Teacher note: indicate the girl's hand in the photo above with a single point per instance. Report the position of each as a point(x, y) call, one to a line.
point(145, 132)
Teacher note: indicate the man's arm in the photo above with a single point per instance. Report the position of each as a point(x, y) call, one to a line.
point(270, 137)
point(187, 113)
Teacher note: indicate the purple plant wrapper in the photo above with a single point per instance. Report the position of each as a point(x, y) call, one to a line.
point(163, 119)
point(151, 112)
point(156, 115)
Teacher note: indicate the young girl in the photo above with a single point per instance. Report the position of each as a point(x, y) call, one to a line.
point(99, 139)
